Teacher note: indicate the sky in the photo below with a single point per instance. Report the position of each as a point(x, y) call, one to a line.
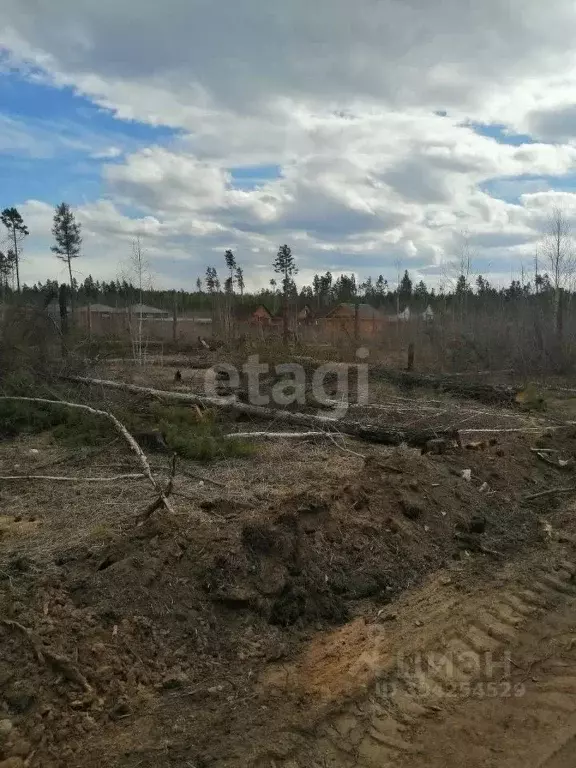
point(372, 136)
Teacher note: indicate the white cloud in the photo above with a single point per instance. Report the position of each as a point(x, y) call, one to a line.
point(341, 96)
point(161, 180)
point(109, 153)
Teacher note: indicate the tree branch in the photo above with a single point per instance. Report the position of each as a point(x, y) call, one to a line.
point(118, 426)
point(61, 479)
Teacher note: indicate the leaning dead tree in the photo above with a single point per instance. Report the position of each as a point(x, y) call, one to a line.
point(120, 428)
point(370, 432)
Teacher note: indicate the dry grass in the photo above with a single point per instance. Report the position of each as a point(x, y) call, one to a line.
point(64, 514)
point(67, 515)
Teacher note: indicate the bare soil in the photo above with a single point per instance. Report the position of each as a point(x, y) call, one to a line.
point(232, 633)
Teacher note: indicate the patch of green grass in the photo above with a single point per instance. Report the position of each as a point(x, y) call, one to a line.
point(187, 432)
point(69, 426)
point(196, 436)
point(79, 429)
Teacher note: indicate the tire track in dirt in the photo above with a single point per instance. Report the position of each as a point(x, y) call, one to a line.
point(489, 695)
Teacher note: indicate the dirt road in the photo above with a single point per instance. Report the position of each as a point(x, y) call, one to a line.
point(486, 680)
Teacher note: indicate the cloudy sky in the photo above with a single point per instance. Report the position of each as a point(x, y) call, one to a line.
point(365, 134)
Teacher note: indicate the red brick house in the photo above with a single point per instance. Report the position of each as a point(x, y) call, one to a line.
point(261, 316)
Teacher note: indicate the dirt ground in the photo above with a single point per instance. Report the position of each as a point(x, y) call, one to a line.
point(254, 626)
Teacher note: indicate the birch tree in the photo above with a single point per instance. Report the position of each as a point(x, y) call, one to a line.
point(558, 252)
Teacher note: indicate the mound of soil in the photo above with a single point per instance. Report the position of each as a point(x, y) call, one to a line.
point(144, 650)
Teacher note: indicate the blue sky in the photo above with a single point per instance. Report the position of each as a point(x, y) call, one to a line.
point(502, 134)
point(71, 138)
point(348, 134)
point(251, 176)
point(64, 141)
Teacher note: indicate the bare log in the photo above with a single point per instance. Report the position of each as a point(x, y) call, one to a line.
point(80, 479)
point(274, 435)
point(163, 496)
point(550, 492)
point(370, 432)
point(485, 393)
point(543, 428)
point(119, 427)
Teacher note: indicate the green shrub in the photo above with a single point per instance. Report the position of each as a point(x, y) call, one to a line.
point(187, 432)
point(195, 436)
point(69, 426)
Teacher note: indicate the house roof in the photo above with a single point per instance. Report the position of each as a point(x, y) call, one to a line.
point(145, 309)
point(365, 311)
point(104, 308)
point(246, 311)
point(261, 306)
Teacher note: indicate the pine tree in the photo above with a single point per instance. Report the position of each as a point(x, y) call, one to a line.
point(381, 286)
point(316, 286)
point(285, 265)
point(17, 231)
point(231, 264)
point(66, 231)
point(212, 281)
point(405, 288)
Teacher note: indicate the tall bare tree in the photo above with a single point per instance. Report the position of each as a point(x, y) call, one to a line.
point(558, 251)
point(239, 277)
point(7, 262)
point(230, 260)
point(17, 231)
point(141, 278)
point(212, 283)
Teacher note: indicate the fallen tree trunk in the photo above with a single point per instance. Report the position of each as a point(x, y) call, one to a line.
point(80, 479)
point(274, 435)
point(370, 432)
point(454, 383)
point(485, 393)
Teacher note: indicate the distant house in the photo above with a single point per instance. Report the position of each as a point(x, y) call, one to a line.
point(261, 316)
point(305, 316)
point(428, 314)
point(149, 312)
point(342, 319)
point(102, 310)
point(406, 315)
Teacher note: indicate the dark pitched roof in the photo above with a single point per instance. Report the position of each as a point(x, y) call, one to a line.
point(245, 312)
point(103, 308)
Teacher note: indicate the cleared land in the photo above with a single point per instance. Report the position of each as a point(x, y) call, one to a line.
point(298, 606)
